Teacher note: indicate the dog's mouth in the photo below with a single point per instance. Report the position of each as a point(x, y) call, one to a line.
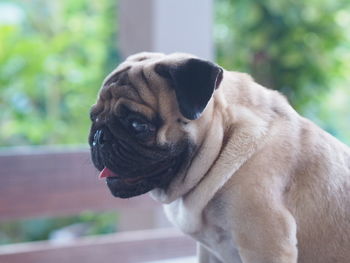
point(156, 173)
point(107, 173)
point(162, 169)
point(125, 187)
point(141, 179)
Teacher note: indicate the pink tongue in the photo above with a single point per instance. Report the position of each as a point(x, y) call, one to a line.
point(106, 173)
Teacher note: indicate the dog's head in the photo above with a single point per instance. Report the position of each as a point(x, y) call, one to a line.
point(148, 120)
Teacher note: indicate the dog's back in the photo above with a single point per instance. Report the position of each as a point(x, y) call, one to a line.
point(319, 197)
point(316, 164)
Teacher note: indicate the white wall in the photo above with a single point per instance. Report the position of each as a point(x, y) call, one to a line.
point(166, 26)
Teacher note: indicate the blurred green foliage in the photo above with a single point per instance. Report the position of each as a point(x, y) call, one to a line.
point(301, 48)
point(53, 58)
point(41, 229)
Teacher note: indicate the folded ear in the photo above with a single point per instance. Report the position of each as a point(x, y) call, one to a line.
point(194, 82)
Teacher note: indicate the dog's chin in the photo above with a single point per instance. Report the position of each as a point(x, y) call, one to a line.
point(120, 188)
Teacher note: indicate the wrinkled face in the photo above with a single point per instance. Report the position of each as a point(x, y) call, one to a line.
point(138, 138)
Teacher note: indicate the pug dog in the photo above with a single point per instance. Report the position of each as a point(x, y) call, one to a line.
point(235, 166)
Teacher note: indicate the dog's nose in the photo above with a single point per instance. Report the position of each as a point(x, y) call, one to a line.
point(100, 137)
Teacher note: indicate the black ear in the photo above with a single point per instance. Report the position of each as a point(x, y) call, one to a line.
point(194, 82)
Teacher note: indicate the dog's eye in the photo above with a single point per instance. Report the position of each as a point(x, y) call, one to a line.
point(141, 127)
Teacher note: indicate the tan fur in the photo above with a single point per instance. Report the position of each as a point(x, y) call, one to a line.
point(266, 185)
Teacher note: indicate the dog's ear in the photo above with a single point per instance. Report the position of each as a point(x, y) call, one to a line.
point(194, 82)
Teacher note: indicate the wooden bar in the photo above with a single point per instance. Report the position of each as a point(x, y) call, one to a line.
point(127, 247)
point(49, 182)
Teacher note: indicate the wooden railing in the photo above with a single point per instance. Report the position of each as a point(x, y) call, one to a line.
point(60, 181)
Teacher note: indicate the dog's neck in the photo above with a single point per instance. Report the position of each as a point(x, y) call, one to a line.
point(214, 163)
point(211, 151)
point(206, 153)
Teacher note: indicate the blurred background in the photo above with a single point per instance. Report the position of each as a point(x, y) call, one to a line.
point(54, 55)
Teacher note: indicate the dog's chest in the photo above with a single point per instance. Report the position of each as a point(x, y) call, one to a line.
point(210, 226)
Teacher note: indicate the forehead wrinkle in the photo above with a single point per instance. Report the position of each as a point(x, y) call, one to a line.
point(140, 82)
point(134, 106)
point(118, 85)
point(125, 91)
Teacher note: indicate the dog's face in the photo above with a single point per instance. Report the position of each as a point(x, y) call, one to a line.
point(146, 123)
